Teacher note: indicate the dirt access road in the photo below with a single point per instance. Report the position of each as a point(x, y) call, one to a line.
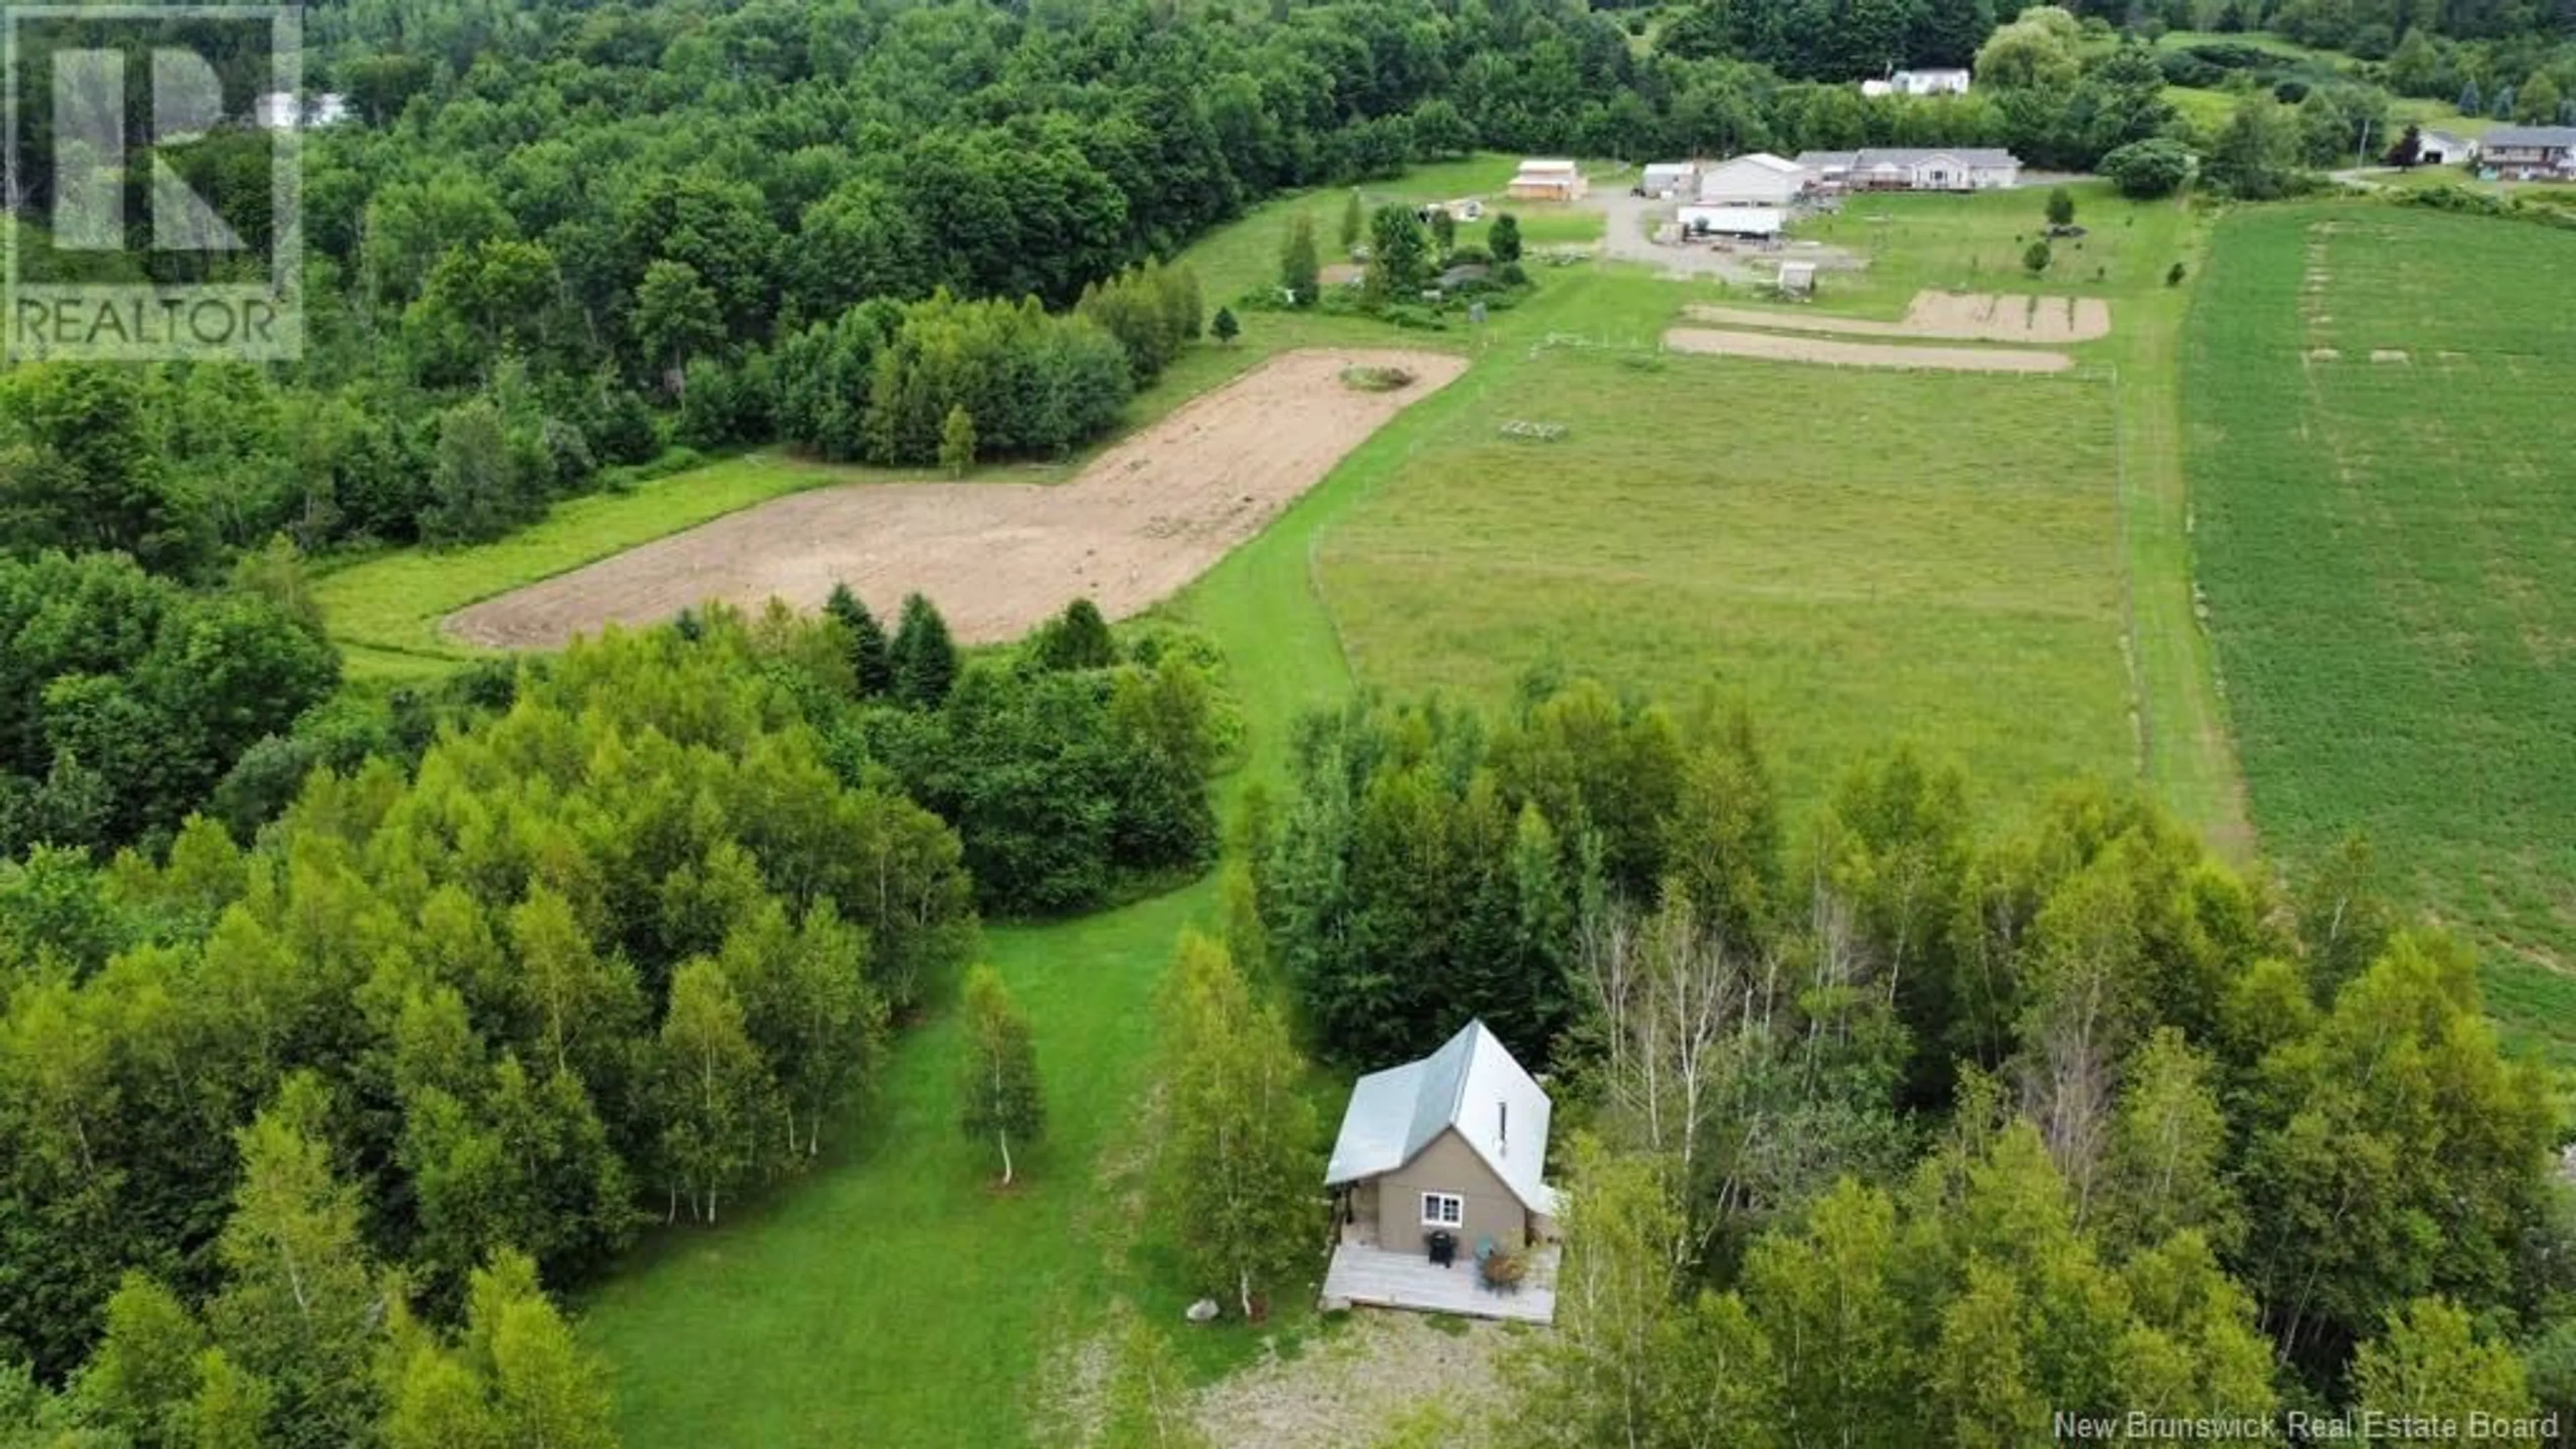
point(1145, 518)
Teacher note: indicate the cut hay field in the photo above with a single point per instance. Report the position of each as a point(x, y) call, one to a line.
point(1861, 556)
point(2386, 534)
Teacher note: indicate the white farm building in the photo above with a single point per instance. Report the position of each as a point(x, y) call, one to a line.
point(1756, 179)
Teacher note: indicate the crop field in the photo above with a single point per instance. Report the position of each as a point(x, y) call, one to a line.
point(2387, 538)
point(1859, 555)
point(1144, 518)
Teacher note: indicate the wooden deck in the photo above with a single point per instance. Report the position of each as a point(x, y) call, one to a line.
point(1376, 1278)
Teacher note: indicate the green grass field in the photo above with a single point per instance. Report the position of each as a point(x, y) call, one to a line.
point(1847, 550)
point(1974, 243)
point(2387, 537)
point(896, 1298)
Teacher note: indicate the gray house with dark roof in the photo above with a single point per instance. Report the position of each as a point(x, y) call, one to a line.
point(1917, 168)
point(2530, 153)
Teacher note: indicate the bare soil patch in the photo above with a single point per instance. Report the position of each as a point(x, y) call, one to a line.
point(1345, 1388)
point(1952, 316)
point(1778, 348)
point(2389, 354)
point(1145, 518)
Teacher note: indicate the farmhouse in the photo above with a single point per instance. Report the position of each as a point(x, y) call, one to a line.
point(1435, 1172)
point(2443, 148)
point(1969, 168)
point(2530, 153)
point(1756, 179)
point(1542, 179)
point(1664, 179)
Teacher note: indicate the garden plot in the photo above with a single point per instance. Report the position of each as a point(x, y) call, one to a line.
point(1140, 522)
point(1948, 316)
point(1777, 347)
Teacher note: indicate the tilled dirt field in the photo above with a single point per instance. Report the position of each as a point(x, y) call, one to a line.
point(1143, 519)
point(1949, 316)
point(1779, 348)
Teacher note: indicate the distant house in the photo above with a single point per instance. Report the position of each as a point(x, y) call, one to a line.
point(2530, 153)
point(1756, 179)
point(1971, 168)
point(1758, 223)
point(1929, 82)
point(2444, 148)
point(284, 111)
point(1542, 179)
point(1667, 178)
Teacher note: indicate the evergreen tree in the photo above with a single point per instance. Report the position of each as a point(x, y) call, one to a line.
point(1078, 638)
point(924, 657)
point(957, 441)
point(2061, 207)
point(1224, 328)
point(1399, 254)
point(871, 665)
point(1352, 220)
point(1300, 272)
point(1000, 1083)
point(1503, 239)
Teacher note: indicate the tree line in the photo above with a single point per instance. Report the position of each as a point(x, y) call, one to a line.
point(2079, 1116)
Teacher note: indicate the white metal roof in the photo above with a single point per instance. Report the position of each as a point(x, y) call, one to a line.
point(1471, 1084)
point(1738, 220)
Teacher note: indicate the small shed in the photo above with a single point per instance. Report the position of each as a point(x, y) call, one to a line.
point(1667, 179)
point(1797, 279)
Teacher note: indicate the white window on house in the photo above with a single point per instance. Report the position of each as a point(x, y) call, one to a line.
point(1443, 1210)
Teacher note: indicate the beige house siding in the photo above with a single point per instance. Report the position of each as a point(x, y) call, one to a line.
point(1448, 1165)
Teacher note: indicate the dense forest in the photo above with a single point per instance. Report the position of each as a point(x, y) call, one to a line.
point(610, 954)
point(1901, 1131)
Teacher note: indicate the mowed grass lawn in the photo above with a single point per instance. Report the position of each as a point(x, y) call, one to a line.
point(895, 1298)
point(1974, 243)
point(1862, 556)
point(2387, 537)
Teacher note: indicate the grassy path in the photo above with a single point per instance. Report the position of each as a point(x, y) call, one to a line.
point(2188, 757)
